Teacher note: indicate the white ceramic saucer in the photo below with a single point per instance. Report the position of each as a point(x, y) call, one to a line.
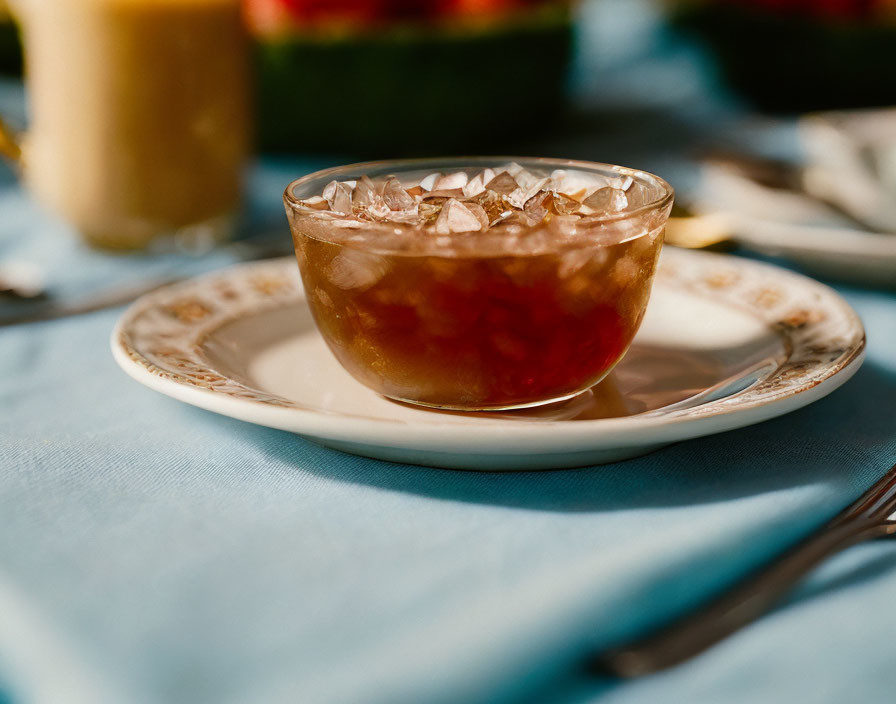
point(726, 342)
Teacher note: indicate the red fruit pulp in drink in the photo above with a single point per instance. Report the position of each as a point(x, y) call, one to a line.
point(479, 332)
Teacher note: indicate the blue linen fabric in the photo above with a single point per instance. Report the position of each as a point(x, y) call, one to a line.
point(153, 552)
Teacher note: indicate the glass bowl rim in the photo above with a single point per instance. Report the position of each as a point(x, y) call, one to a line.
point(665, 198)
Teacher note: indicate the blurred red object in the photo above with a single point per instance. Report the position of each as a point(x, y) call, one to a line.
point(274, 16)
point(407, 76)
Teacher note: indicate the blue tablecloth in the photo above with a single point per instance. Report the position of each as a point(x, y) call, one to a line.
point(153, 552)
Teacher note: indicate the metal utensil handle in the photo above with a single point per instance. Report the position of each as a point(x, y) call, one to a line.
point(736, 608)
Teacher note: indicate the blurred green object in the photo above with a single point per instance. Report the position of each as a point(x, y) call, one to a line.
point(409, 90)
point(788, 63)
point(10, 48)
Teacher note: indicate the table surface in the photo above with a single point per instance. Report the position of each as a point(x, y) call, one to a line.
point(154, 552)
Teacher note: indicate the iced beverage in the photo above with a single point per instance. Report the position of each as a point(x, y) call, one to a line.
point(139, 114)
point(480, 288)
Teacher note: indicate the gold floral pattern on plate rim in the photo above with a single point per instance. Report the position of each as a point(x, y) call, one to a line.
point(163, 332)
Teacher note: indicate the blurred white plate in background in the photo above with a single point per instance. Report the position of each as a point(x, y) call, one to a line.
point(841, 223)
point(796, 227)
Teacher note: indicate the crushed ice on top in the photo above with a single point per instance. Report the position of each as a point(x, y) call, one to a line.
point(453, 202)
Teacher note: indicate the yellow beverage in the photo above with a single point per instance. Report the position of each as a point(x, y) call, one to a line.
point(139, 114)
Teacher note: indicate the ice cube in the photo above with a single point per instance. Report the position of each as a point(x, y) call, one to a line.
point(476, 185)
point(345, 223)
point(502, 184)
point(342, 199)
point(573, 261)
point(456, 180)
point(643, 244)
point(578, 285)
point(456, 217)
point(428, 211)
point(516, 198)
point(576, 184)
point(562, 204)
point(637, 195)
point(366, 185)
point(526, 179)
point(564, 225)
point(330, 190)
point(516, 217)
point(364, 193)
point(316, 203)
point(396, 197)
point(492, 204)
point(519, 196)
point(444, 193)
point(625, 271)
point(378, 210)
point(536, 207)
point(538, 185)
point(354, 269)
point(623, 183)
point(409, 215)
point(507, 196)
point(427, 183)
point(479, 212)
point(606, 200)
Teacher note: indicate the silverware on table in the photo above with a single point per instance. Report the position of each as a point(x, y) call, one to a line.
point(803, 180)
point(43, 306)
point(712, 231)
point(872, 516)
point(51, 308)
point(717, 231)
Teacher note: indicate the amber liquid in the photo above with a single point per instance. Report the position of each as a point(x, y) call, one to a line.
point(479, 332)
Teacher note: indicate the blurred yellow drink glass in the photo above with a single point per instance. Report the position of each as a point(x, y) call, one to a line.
point(139, 115)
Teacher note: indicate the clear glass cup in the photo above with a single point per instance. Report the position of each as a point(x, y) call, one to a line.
point(139, 117)
point(507, 318)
